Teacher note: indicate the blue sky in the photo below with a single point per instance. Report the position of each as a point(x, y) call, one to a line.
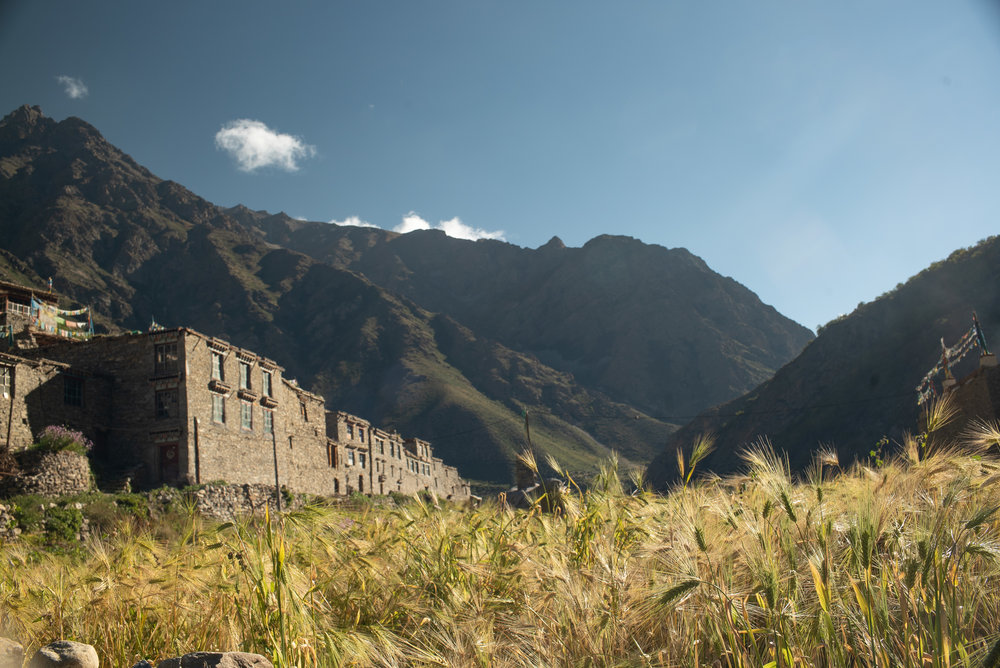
point(819, 153)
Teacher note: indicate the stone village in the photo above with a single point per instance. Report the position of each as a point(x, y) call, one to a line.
point(177, 407)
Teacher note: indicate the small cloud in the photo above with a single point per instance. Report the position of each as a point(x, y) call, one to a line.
point(254, 145)
point(411, 222)
point(456, 228)
point(453, 228)
point(74, 87)
point(353, 221)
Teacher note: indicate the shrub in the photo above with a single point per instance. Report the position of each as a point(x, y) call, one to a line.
point(357, 498)
point(136, 505)
point(400, 499)
point(27, 511)
point(55, 438)
point(63, 523)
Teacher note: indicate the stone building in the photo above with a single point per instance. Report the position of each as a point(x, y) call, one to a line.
point(976, 398)
point(379, 462)
point(35, 393)
point(175, 406)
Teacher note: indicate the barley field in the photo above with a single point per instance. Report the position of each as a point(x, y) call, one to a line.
point(891, 563)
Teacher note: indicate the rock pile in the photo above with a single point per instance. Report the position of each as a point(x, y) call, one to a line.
point(71, 654)
point(8, 525)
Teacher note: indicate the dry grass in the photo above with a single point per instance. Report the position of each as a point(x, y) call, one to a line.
point(887, 566)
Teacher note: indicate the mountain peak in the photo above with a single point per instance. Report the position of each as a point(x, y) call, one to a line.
point(25, 114)
point(23, 121)
point(555, 243)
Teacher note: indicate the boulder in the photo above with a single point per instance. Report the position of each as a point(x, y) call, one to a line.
point(11, 654)
point(65, 654)
point(216, 660)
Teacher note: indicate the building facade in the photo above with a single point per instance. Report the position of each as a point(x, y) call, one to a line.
point(175, 407)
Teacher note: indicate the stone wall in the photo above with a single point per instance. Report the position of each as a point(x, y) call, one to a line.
point(8, 530)
point(123, 369)
point(152, 409)
point(227, 502)
point(37, 398)
point(48, 474)
point(376, 461)
point(977, 398)
point(240, 451)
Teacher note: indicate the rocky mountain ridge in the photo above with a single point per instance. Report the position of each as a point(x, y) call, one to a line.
point(450, 339)
point(856, 382)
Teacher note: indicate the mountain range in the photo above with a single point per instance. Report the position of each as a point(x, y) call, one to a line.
point(856, 382)
point(600, 348)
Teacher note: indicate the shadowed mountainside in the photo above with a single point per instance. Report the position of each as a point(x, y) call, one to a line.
point(856, 381)
point(447, 339)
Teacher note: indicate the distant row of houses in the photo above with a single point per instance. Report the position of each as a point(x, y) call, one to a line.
point(174, 406)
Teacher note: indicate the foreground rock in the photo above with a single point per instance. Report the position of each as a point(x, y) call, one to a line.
point(65, 654)
point(11, 653)
point(216, 660)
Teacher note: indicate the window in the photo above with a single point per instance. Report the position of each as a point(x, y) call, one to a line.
point(361, 459)
point(331, 455)
point(217, 367)
point(350, 431)
point(244, 376)
point(336, 486)
point(246, 415)
point(5, 376)
point(381, 446)
point(303, 411)
point(218, 408)
point(361, 434)
point(165, 358)
point(392, 449)
point(265, 384)
point(350, 457)
point(72, 391)
point(166, 404)
point(268, 422)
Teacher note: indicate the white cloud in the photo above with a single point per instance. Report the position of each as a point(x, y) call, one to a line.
point(75, 88)
point(453, 228)
point(456, 228)
point(411, 222)
point(353, 221)
point(254, 145)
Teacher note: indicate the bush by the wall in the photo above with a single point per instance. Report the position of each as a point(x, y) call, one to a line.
point(55, 438)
